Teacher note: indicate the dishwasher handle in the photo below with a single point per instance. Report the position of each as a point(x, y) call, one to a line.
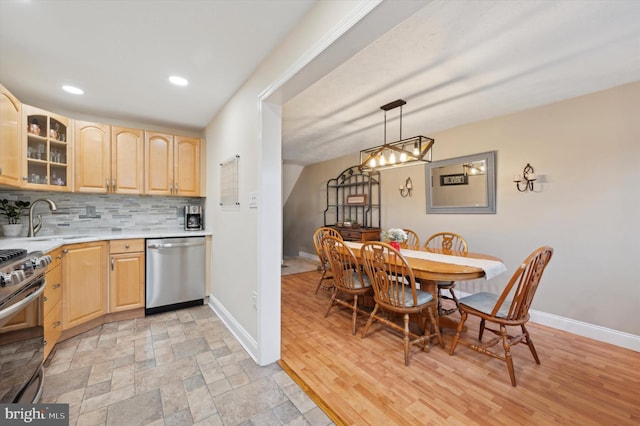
point(172, 245)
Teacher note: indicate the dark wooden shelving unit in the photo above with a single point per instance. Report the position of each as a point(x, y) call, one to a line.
point(354, 195)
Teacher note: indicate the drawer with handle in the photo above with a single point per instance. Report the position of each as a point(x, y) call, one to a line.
point(126, 246)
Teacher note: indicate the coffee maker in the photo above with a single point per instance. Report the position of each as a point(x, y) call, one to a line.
point(193, 218)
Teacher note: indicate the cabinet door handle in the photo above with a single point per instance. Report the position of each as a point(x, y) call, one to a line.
point(106, 184)
point(56, 324)
point(176, 188)
point(44, 299)
point(55, 286)
point(65, 251)
point(113, 185)
point(58, 257)
point(171, 188)
point(46, 343)
point(113, 264)
point(127, 246)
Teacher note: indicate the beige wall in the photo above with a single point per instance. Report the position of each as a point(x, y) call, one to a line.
point(586, 203)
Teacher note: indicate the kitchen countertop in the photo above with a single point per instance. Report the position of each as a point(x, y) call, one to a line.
point(47, 243)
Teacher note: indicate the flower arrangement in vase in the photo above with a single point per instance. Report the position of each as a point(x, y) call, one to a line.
point(394, 236)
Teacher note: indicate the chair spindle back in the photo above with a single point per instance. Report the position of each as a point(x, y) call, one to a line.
point(524, 283)
point(448, 242)
point(389, 273)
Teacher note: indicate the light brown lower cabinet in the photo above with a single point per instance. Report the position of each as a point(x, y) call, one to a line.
point(84, 283)
point(53, 302)
point(126, 275)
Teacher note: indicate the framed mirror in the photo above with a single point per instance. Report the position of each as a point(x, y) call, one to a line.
point(462, 184)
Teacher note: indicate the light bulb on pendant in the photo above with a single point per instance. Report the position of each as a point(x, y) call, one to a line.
point(403, 157)
point(372, 162)
point(392, 158)
point(382, 160)
point(415, 149)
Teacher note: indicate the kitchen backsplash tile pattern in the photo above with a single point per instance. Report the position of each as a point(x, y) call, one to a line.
point(95, 214)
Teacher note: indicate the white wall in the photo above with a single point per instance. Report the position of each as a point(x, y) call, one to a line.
point(247, 242)
point(586, 203)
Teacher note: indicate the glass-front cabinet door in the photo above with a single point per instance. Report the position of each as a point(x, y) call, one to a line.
point(47, 151)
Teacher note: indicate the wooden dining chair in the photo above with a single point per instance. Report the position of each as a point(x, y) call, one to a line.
point(395, 291)
point(413, 241)
point(446, 243)
point(509, 309)
point(348, 278)
point(318, 236)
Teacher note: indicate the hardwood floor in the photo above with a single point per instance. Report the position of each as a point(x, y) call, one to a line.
point(364, 381)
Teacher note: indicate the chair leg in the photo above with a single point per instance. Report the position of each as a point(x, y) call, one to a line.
point(332, 301)
point(406, 339)
point(370, 320)
point(529, 343)
point(435, 327)
point(481, 329)
point(355, 314)
point(454, 343)
point(324, 272)
point(507, 354)
point(455, 299)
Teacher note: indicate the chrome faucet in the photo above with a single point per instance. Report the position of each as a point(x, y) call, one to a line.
point(33, 230)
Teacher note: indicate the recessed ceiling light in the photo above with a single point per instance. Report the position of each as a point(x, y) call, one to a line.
point(178, 81)
point(73, 89)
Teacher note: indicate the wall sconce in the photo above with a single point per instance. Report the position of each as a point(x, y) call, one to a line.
point(528, 177)
point(405, 190)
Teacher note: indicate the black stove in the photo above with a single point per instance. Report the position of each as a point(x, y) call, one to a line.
point(19, 269)
point(22, 284)
point(8, 254)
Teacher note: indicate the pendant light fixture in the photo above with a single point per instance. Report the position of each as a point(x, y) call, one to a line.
point(401, 153)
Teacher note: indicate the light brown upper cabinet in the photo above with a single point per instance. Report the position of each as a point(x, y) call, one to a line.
point(10, 142)
point(187, 166)
point(47, 163)
point(108, 159)
point(172, 165)
point(92, 165)
point(127, 160)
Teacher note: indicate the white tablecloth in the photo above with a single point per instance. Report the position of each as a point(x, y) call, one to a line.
point(491, 268)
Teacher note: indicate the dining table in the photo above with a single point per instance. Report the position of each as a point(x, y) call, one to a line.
point(432, 265)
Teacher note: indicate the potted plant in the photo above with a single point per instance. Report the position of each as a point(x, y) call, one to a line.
point(13, 211)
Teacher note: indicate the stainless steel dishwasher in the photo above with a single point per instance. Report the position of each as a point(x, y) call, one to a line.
point(175, 273)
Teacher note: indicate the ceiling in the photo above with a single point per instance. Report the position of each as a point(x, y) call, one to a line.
point(122, 52)
point(457, 62)
point(454, 62)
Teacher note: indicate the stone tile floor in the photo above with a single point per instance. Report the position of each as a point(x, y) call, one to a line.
point(296, 265)
point(176, 368)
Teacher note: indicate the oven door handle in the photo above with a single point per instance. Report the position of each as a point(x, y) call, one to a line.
point(6, 313)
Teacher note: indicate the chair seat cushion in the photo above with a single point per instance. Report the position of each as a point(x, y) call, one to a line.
point(485, 302)
point(445, 284)
point(356, 281)
point(421, 296)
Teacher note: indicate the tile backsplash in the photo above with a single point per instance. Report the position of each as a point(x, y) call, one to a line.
point(101, 213)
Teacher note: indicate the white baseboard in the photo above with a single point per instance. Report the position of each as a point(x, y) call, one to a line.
point(245, 339)
point(592, 331)
point(308, 255)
